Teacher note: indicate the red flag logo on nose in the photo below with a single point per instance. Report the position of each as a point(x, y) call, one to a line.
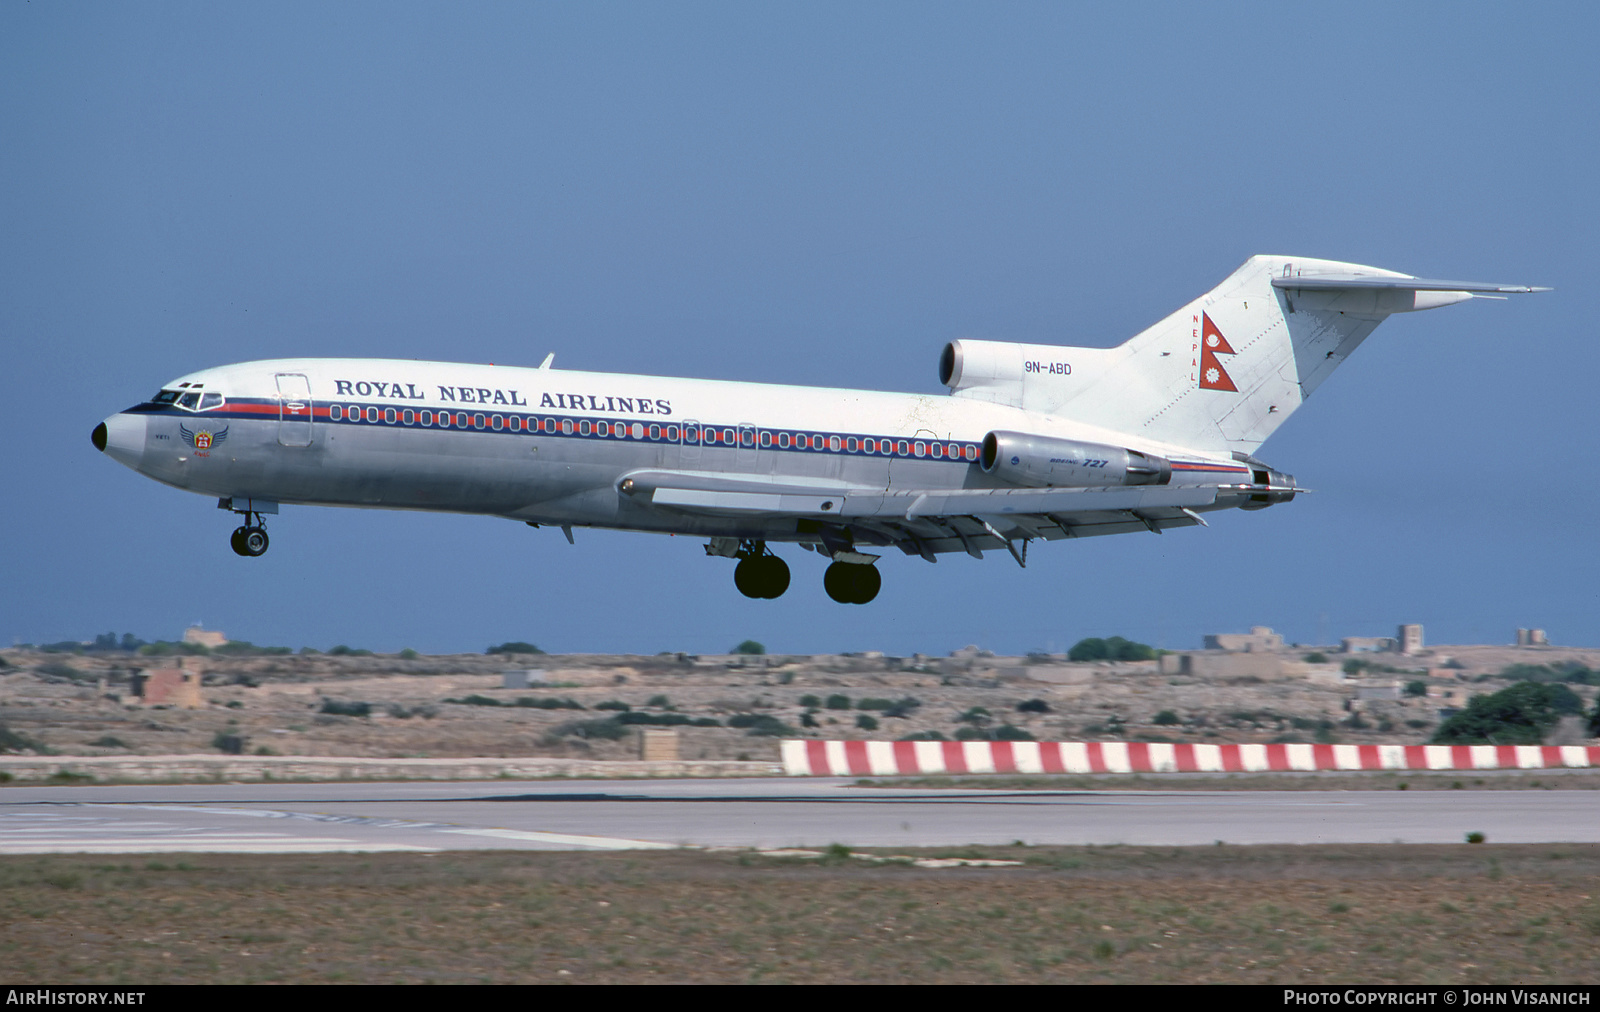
point(1212, 344)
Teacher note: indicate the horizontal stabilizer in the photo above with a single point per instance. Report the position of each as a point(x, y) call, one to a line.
point(1343, 282)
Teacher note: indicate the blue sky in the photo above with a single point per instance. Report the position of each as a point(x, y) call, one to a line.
point(804, 193)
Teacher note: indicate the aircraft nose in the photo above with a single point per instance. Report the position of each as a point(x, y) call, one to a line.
point(121, 437)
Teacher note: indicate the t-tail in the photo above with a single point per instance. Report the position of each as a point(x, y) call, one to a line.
point(1222, 373)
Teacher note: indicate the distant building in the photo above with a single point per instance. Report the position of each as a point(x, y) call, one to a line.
point(204, 637)
point(658, 744)
point(521, 678)
point(1450, 696)
point(178, 687)
point(1531, 638)
point(1410, 637)
point(1227, 664)
point(1257, 640)
point(1367, 645)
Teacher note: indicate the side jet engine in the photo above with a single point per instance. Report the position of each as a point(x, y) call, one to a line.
point(1047, 462)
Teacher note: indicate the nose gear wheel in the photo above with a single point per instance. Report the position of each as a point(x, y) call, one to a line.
point(249, 541)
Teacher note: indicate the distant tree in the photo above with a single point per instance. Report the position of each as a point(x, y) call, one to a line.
point(408, 654)
point(1519, 715)
point(1114, 648)
point(1092, 649)
point(866, 723)
point(838, 701)
point(1417, 688)
point(1167, 718)
point(1006, 732)
point(1316, 657)
point(903, 707)
point(749, 647)
point(1033, 706)
point(1572, 671)
point(164, 648)
point(514, 647)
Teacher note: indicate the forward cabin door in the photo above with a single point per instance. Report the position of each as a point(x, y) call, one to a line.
point(294, 409)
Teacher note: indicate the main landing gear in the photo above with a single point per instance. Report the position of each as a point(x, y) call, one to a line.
point(759, 573)
point(852, 583)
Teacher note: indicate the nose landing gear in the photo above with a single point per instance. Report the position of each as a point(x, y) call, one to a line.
point(249, 541)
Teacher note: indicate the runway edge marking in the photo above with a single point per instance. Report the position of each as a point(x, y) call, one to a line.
point(802, 758)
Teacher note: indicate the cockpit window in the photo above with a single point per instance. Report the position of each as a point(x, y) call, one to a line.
point(165, 397)
point(190, 400)
point(209, 401)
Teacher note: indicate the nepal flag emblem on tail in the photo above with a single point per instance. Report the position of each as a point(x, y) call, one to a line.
point(1212, 344)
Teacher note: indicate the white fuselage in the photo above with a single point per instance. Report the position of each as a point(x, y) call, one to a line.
point(551, 446)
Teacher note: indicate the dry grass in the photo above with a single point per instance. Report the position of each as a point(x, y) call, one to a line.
point(1414, 914)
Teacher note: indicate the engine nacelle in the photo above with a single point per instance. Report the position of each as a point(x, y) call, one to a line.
point(1045, 461)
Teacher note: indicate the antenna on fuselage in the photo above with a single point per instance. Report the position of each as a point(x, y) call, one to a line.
point(547, 360)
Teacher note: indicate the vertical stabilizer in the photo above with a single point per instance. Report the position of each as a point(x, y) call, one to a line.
point(1226, 370)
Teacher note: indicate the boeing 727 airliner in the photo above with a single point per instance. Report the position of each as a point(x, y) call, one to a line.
point(1033, 443)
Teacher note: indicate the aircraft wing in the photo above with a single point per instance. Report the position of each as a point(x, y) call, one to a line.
point(926, 522)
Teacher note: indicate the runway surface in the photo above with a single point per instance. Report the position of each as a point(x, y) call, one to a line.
point(633, 814)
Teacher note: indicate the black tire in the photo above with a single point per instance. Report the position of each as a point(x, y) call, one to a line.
point(848, 583)
point(774, 577)
point(747, 576)
point(254, 541)
point(237, 541)
point(866, 582)
point(837, 582)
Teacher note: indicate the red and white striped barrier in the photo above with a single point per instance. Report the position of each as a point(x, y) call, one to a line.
point(909, 758)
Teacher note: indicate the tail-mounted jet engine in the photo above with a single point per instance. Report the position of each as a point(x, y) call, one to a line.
point(1044, 461)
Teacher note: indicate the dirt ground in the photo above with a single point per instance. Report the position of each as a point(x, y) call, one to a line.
point(287, 705)
point(1321, 915)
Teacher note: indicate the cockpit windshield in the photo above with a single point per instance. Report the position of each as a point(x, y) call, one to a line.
point(192, 400)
